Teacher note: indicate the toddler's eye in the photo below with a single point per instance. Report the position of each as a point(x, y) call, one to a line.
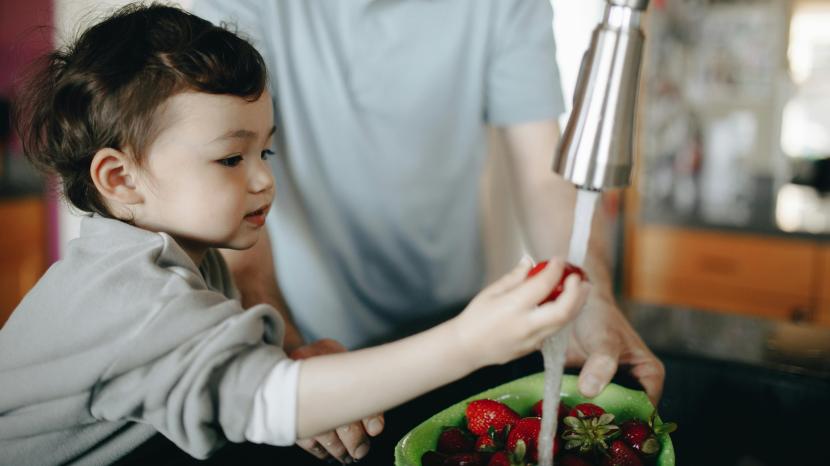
point(266, 153)
point(231, 161)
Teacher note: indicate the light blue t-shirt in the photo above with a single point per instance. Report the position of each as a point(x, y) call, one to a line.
point(381, 110)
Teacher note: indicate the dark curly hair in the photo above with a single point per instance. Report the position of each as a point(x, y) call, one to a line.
point(104, 90)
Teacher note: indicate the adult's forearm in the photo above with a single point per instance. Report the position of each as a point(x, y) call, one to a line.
point(545, 203)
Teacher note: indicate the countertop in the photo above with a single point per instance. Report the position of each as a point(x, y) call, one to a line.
point(787, 347)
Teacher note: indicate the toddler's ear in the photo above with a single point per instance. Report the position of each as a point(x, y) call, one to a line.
point(113, 173)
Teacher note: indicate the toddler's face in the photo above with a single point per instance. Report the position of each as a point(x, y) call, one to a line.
point(206, 179)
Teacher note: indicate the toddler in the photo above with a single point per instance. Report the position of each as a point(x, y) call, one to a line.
point(159, 125)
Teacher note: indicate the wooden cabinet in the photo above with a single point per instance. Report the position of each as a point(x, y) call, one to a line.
point(22, 250)
point(729, 272)
point(823, 285)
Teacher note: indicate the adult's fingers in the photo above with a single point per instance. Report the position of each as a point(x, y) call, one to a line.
point(334, 446)
point(310, 445)
point(648, 370)
point(601, 365)
point(374, 425)
point(355, 439)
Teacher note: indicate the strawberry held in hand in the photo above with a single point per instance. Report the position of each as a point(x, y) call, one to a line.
point(483, 414)
point(557, 290)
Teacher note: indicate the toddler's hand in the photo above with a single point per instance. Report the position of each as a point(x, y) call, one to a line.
point(503, 321)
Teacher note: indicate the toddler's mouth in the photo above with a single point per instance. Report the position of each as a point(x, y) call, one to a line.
point(257, 217)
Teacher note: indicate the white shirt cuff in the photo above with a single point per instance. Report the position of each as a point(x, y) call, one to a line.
point(274, 414)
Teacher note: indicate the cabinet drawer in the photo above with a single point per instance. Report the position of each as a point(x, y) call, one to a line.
point(722, 271)
point(22, 250)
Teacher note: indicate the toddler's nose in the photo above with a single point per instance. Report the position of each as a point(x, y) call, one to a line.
point(261, 179)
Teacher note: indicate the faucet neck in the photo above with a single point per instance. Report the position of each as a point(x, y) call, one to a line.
point(639, 5)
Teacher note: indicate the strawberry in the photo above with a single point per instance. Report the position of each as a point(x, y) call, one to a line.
point(483, 414)
point(464, 459)
point(500, 458)
point(642, 436)
point(620, 454)
point(639, 436)
point(487, 443)
point(587, 410)
point(525, 436)
point(557, 290)
point(588, 433)
point(569, 459)
point(536, 410)
point(433, 458)
point(454, 440)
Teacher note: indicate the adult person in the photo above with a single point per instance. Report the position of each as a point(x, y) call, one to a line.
point(384, 107)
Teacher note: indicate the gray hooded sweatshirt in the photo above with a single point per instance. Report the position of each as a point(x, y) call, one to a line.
point(126, 337)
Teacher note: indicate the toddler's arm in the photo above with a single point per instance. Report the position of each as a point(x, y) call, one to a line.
point(500, 324)
point(191, 371)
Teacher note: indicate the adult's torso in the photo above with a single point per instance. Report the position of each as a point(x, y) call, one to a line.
point(381, 109)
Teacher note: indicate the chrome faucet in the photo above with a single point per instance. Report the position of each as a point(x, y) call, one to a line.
point(595, 152)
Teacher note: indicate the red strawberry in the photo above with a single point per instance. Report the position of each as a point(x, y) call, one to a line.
point(454, 440)
point(483, 414)
point(433, 458)
point(640, 437)
point(500, 458)
point(587, 410)
point(588, 433)
point(526, 430)
point(557, 290)
point(572, 460)
point(486, 443)
point(620, 454)
point(464, 459)
point(536, 410)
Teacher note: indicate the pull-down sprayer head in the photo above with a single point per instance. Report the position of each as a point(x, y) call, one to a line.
point(595, 152)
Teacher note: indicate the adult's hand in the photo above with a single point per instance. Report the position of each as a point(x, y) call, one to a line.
point(601, 340)
point(346, 442)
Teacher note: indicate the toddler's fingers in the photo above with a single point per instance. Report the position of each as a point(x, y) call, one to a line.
point(533, 290)
point(566, 306)
point(510, 279)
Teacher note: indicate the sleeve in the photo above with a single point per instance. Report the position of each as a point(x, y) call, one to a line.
point(241, 16)
point(192, 370)
point(274, 415)
point(522, 82)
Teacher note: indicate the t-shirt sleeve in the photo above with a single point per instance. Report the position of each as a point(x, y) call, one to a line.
point(193, 369)
point(522, 77)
